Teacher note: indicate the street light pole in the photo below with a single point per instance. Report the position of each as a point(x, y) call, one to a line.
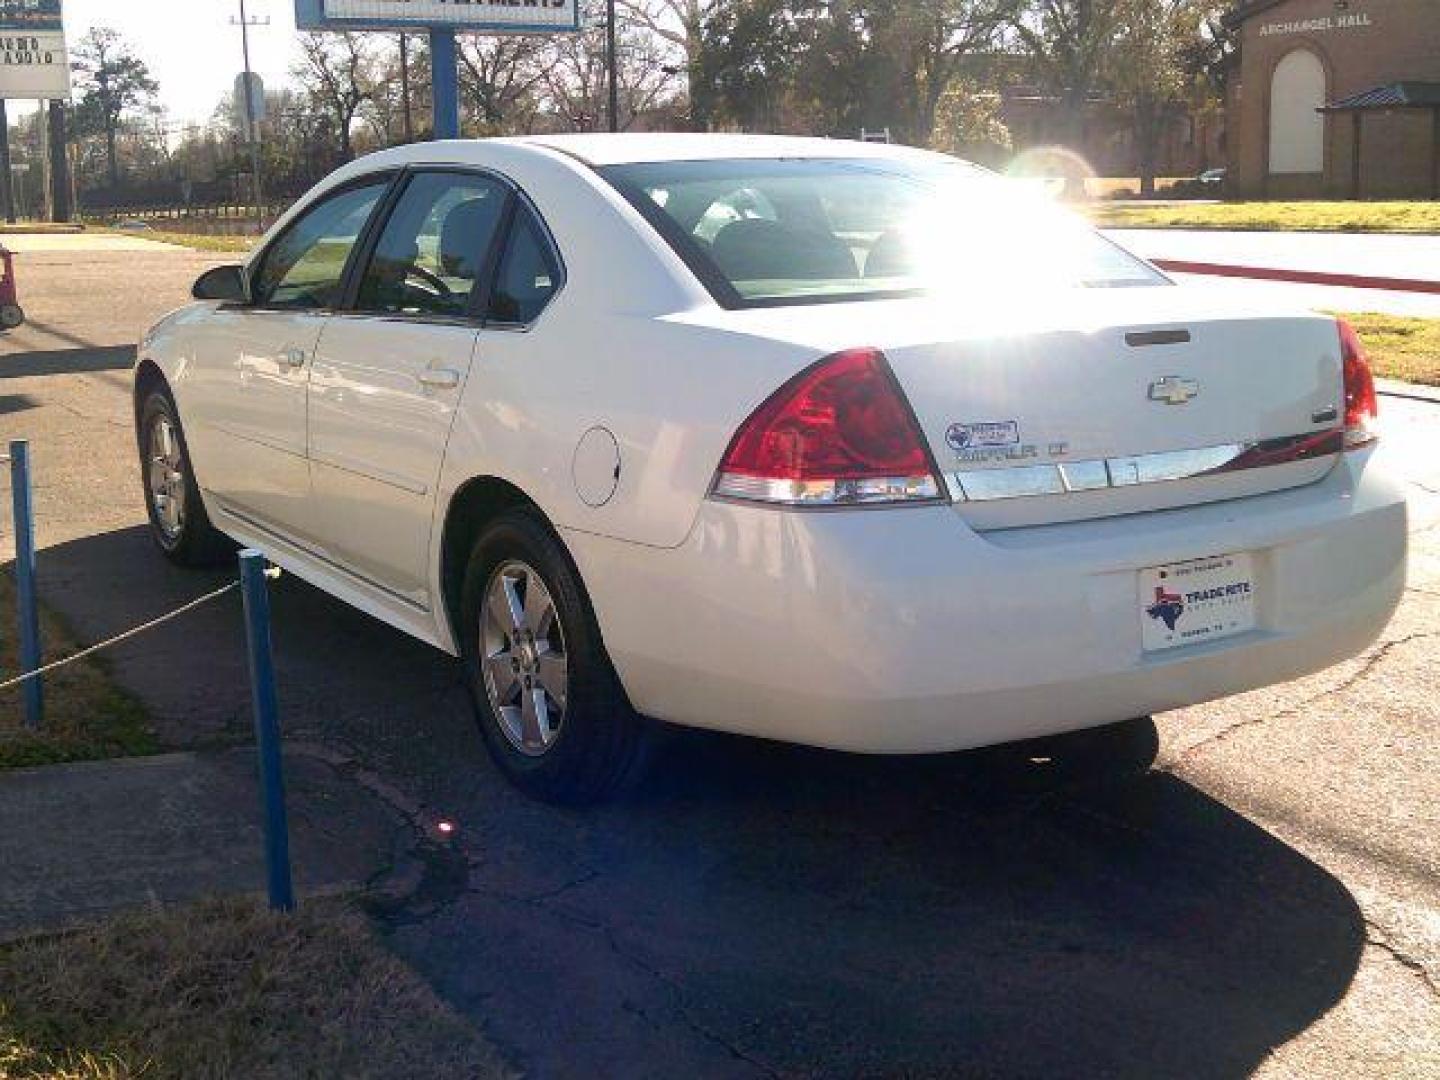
point(252, 126)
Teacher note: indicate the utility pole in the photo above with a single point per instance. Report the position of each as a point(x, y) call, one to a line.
point(409, 122)
point(252, 125)
point(612, 65)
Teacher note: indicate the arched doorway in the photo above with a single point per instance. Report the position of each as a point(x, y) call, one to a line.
point(1297, 130)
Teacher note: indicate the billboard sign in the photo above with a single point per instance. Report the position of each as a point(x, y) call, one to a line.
point(33, 60)
point(476, 16)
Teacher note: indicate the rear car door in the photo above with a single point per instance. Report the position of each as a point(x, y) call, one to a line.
point(246, 393)
point(389, 372)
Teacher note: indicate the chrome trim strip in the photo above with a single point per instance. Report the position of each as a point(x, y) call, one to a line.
point(1029, 481)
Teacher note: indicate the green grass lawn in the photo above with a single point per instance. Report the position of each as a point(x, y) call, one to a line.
point(225, 988)
point(1415, 217)
point(1400, 347)
point(86, 715)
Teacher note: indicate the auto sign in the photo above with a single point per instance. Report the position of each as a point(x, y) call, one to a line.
point(33, 60)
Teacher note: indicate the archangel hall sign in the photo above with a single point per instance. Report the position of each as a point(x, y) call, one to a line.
point(1356, 21)
point(33, 61)
point(478, 16)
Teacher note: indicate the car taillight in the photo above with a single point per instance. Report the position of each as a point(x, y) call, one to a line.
point(1361, 406)
point(838, 434)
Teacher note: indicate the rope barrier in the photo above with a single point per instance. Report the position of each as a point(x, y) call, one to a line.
point(118, 638)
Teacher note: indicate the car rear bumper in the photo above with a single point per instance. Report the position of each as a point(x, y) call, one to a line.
point(906, 631)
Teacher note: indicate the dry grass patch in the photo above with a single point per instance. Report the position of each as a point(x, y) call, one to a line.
point(1400, 347)
point(227, 989)
point(238, 244)
point(1414, 217)
point(86, 715)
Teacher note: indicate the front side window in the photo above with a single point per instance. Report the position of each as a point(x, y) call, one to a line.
point(528, 276)
point(434, 248)
point(305, 268)
point(773, 231)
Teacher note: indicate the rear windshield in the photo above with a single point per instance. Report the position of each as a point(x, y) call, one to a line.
point(790, 231)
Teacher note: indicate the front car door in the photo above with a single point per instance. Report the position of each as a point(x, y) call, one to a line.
point(389, 372)
point(246, 391)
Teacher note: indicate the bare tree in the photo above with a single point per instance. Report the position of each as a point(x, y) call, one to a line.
point(338, 72)
point(681, 25)
point(499, 77)
point(574, 77)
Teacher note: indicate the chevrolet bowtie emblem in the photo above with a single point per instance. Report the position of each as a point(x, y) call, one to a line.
point(1174, 390)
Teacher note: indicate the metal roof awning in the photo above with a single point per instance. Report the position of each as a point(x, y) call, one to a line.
point(1397, 95)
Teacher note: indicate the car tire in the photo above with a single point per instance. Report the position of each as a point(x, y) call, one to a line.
point(179, 524)
point(547, 700)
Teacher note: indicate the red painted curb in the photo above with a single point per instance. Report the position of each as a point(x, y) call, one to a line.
point(1300, 277)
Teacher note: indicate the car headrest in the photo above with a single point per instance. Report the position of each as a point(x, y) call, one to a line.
point(756, 249)
point(892, 256)
point(464, 236)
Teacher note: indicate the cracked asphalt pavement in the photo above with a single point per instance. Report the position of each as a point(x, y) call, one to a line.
point(1266, 901)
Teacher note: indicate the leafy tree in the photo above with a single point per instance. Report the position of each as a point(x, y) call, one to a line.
point(1069, 43)
point(742, 65)
point(1149, 76)
point(937, 37)
point(113, 83)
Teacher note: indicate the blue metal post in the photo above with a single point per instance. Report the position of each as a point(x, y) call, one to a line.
point(28, 606)
point(267, 729)
point(445, 75)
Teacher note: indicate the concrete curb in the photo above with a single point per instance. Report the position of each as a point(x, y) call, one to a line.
point(1409, 391)
point(1300, 277)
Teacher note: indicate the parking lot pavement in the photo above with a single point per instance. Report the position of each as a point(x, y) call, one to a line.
point(1266, 901)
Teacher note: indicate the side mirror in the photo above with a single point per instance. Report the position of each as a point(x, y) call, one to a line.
point(223, 283)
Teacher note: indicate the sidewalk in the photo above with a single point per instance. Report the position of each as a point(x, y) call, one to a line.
point(83, 841)
point(1380, 255)
point(1299, 268)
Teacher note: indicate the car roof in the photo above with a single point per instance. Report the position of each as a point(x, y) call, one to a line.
point(634, 147)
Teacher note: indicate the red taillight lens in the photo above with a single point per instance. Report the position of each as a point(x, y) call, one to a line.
point(1361, 405)
point(839, 433)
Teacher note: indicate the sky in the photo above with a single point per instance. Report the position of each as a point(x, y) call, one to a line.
point(190, 46)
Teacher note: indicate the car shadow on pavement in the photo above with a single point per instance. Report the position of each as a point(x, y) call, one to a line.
point(758, 909)
point(23, 365)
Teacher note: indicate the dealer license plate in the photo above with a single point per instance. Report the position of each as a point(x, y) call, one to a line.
point(1193, 602)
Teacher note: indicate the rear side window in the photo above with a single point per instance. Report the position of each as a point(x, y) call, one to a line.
point(305, 268)
point(434, 248)
point(529, 274)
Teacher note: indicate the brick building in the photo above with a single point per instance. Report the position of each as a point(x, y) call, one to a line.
point(1337, 98)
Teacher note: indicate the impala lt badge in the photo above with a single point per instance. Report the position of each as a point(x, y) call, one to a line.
point(1173, 390)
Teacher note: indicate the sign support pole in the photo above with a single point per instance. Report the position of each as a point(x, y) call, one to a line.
point(445, 65)
point(7, 177)
point(61, 209)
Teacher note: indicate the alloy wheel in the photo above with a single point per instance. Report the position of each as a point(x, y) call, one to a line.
point(165, 474)
point(524, 662)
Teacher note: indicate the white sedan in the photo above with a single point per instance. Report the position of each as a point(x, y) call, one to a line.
point(832, 443)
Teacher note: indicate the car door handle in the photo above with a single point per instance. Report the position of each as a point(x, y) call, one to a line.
point(438, 378)
point(293, 358)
